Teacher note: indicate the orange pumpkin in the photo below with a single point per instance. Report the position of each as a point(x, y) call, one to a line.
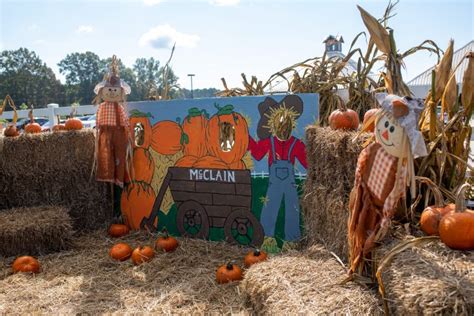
point(32, 127)
point(186, 161)
point(26, 264)
point(120, 252)
point(215, 138)
point(140, 127)
point(59, 128)
point(167, 138)
point(73, 124)
point(11, 131)
point(118, 230)
point(194, 126)
point(166, 243)
point(228, 273)
point(136, 203)
point(254, 257)
point(369, 114)
point(238, 165)
point(143, 165)
point(344, 119)
point(430, 217)
point(456, 229)
point(210, 162)
point(142, 254)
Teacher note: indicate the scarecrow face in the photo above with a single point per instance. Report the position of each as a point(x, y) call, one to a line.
point(390, 135)
point(112, 94)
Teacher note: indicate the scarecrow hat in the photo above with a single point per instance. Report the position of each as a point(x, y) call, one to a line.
point(291, 102)
point(112, 79)
point(406, 111)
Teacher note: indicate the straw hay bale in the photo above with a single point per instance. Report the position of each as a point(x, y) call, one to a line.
point(306, 283)
point(34, 230)
point(332, 160)
point(428, 279)
point(54, 169)
point(87, 281)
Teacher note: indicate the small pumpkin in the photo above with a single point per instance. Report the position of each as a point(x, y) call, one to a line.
point(254, 257)
point(166, 243)
point(186, 161)
point(456, 229)
point(32, 127)
point(344, 119)
point(210, 162)
point(73, 124)
point(431, 215)
point(167, 138)
point(140, 127)
point(26, 264)
point(120, 252)
point(228, 273)
point(118, 230)
point(11, 131)
point(195, 126)
point(59, 128)
point(142, 254)
point(367, 116)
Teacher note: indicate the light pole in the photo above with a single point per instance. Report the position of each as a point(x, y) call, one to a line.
point(191, 76)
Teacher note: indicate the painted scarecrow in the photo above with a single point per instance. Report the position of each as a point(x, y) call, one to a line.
point(277, 122)
point(113, 137)
point(384, 170)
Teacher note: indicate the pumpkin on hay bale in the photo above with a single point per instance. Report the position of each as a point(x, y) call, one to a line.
point(34, 230)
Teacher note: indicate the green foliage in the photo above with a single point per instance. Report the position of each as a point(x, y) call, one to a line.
point(23, 106)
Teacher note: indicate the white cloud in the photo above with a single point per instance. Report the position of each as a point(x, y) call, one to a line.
point(84, 29)
point(224, 2)
point(152, 2)
point(164, 36)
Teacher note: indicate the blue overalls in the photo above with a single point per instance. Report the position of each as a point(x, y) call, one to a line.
point(282, 186)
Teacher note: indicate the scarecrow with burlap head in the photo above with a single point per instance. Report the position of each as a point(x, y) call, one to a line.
point(113, 144)
point(384, 170)
point(274, 130)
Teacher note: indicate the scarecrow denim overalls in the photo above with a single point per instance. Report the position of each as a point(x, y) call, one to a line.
point(282, 186)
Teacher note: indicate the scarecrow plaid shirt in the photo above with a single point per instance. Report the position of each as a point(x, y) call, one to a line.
point(106, 115)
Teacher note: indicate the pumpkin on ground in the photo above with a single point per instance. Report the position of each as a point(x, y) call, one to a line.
point(120, 252)
point(195, 126)
point(430, 217)
point(136, 203)
point(210, 162)
point(456, 229)
point(186, 161)
point(228, 273)
point(143, 165)
point(142, 254)
point(26, 264)
point(344, 119)
point(227, 135)
point(254, 257)
point(140, 128)
point(367, 116)
point(167, 138)
point(166, 243)
point(118, 230)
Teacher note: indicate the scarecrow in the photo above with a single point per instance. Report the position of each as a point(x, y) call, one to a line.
point(384, 170)
point(277, 122)
point(113, 143)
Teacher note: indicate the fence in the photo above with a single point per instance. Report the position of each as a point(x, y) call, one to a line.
point(52, 112)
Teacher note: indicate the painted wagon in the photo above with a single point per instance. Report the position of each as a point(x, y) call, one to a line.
point(207, 198)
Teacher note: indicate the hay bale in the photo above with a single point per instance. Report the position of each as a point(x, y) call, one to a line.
point(54, 169)
point(332, 160)
point(34, 230)
point(428, 279)
point(306, 283)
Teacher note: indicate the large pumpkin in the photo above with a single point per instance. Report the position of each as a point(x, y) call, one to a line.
point(143, 165)
point(226, 121)
point(344, 119)
point(167, 138)
point(32, 128)
point(140, 129)
point(210, 162)
point(195, 126)
point(429, 220)
point(136, 203)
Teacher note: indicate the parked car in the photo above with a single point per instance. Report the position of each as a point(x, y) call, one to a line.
point(90, 122)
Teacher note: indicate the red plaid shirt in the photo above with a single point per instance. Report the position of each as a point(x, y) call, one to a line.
point(106, 115)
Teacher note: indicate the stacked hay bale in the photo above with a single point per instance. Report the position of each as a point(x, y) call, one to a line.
point(34, 230)
point(54, 169)
point(332, 160)
point(306, 283)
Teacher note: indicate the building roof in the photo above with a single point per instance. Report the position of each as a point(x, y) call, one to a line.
point(337, 38)
point(424, 79)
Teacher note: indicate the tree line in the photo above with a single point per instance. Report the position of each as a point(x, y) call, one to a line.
point(29, 81)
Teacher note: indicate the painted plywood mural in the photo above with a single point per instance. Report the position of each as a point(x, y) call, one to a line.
point(220, 168)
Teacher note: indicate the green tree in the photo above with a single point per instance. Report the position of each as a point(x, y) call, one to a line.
point(27, 78)
point(147, 72)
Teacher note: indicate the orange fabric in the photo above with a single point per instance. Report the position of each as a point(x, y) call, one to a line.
point(111, 154)
point(107, 115)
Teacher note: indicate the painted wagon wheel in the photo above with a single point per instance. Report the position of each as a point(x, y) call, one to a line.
point(192, 220)
point(242, 227)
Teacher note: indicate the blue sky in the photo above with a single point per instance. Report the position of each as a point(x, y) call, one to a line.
point(221, 38)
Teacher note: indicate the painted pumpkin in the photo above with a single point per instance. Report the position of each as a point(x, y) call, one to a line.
point(344, 119)
point(73, 124)
point(228, 273)
point(142, 254)
point(456, 229)
point(140, 127)
point(120, 252)
point(143, 165)
point(194, 126)
point(238, 165)
point(59, 128)
point(166, 243)
point(210, 162)
point(118, 230)
point(26, 264)
point(254, 257)
point(186, 161)
point(11, 131)
point(167, 138)
point(368, 115)
point(430, 217)
point(136, 203)
point(227, 135)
